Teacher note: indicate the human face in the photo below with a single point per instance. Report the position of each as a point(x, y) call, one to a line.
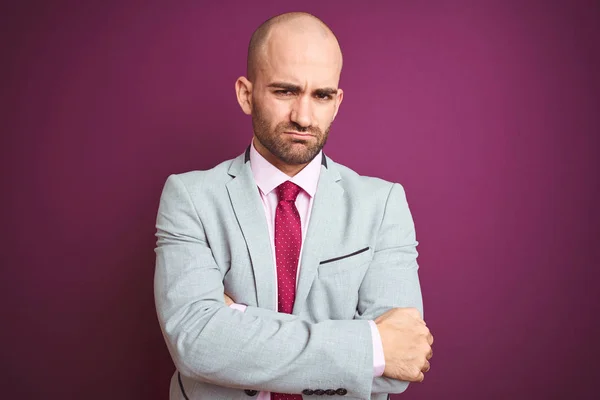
point(288, 141)
point(295, 97)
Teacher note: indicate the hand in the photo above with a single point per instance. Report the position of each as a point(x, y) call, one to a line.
point(228, 300)
point(406, 344)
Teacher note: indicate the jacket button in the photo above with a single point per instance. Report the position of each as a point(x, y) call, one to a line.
point(341, 391)
point(308, 392)
point(319, 392)
point(251, 392)
point(330, 392)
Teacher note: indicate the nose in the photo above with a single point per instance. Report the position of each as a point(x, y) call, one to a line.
point(302, 112)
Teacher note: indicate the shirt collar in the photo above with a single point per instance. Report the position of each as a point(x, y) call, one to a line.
point(268, 177)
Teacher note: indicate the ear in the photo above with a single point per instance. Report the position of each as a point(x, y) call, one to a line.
point(338, 100)
point(243, 91)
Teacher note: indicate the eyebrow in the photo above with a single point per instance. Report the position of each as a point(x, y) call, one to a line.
point(326, 91)
point(295, 88)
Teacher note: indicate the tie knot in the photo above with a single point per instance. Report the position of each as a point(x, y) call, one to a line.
point(288, 191)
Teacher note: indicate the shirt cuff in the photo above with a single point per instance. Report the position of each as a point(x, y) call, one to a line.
point(378, 356)
point(242, 307)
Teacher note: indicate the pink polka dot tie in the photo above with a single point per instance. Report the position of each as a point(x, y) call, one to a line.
point(288, 240)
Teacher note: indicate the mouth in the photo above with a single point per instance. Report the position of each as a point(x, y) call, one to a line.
point(299, 135)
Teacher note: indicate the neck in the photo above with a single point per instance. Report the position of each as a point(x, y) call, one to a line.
point(288, 169)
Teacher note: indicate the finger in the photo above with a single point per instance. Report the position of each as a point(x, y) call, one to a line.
point(413, 312)
point(430, 339)
point(430, 354)
point(420, 377)
point(426, 366)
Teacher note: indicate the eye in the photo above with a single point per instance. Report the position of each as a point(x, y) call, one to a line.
point(283, 92)
point(324, 96)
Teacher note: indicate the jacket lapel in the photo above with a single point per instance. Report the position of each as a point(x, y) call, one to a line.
point(249, 211)
point(323, 219)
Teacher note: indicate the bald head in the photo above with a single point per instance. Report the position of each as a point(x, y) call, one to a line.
point(291, 89)
point(295, 28)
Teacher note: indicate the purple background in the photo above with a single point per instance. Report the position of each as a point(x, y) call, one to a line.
point(486, 111)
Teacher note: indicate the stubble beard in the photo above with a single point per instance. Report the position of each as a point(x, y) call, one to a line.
point(283, 148)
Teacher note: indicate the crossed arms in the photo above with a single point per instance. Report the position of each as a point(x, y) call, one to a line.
point(261, 349)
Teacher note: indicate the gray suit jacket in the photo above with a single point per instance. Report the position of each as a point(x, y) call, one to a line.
point(358, 261)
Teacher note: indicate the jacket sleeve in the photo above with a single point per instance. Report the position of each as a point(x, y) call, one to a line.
point(391, 280)
point(211, 342)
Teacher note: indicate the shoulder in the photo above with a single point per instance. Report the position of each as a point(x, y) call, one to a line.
point(216, 174)
point(195, 182)
point(367, 187)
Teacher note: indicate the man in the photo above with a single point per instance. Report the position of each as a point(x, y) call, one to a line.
point(281, 274)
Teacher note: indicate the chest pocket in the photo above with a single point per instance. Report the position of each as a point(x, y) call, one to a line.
point(350, 262)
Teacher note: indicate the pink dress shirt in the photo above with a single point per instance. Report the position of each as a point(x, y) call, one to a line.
point(267, 178)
